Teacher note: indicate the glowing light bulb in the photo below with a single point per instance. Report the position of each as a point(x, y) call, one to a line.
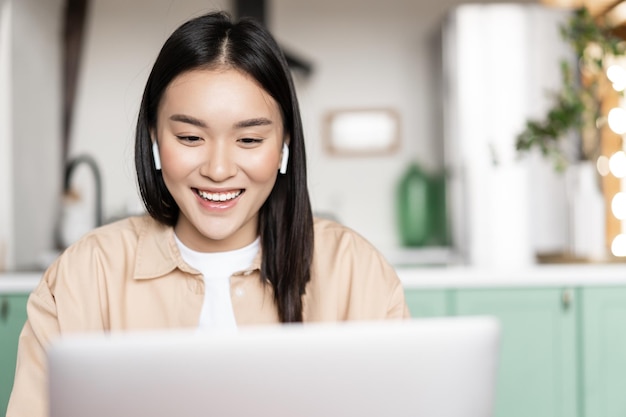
point(617, 75)
point(618, 205)
point(619, 87)
point(618, 246)
point(617, 120)
point(602, 165)
point(617, 164)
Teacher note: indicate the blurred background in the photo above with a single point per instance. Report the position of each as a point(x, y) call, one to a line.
point(444, 88)
point(413, 111)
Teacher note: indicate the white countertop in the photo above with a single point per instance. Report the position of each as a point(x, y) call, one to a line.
point(557, 275)
point(553, 275)
point(18, 282)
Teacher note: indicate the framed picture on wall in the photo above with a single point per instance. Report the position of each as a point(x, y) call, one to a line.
point(361, 132)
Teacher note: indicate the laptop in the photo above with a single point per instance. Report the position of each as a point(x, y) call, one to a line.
point(438, 367)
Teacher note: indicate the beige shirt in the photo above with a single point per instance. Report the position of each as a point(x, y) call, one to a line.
point(130, 275)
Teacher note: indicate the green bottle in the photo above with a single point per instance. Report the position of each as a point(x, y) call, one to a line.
point(413, 207)
point(438, 213)
point(422, 208)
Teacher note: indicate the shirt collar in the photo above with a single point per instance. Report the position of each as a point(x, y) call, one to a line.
point(158, 254)
point(256, 264)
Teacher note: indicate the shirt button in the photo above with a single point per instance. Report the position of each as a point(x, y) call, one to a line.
point(239, 292)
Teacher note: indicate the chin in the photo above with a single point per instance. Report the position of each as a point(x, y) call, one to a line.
point(219, 235)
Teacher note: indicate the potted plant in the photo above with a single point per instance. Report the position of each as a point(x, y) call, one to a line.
point(571, 133)
point(578, 105)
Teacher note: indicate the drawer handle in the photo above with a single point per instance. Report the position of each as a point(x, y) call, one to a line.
point(566, 299)
point(4, 310)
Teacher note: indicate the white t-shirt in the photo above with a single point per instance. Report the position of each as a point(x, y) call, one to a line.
point(217, 268)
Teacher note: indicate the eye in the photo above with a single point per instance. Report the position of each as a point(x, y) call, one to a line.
point(189, 138)
point(250, 141)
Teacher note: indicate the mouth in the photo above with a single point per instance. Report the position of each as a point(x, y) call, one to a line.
point(218, 197)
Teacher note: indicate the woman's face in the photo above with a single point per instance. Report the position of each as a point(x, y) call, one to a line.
point(220, 137)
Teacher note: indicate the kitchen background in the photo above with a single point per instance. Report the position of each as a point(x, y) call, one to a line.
point(461, 78)
point(363, 53)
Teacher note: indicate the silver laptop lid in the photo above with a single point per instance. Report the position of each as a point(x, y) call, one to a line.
point(420, 368)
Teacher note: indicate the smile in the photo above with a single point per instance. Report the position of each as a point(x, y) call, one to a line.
point(218, 197)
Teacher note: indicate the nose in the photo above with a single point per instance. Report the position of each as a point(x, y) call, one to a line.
point(219, 164)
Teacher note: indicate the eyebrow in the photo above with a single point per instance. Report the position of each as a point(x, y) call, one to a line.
point(258, 121)
point(187, 119)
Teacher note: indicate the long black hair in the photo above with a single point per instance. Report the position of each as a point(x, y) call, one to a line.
point(285, 220)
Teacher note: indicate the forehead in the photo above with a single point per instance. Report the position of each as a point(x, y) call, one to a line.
point(230, 92)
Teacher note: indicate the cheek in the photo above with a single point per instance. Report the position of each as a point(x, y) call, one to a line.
point(175, 168)
point(263, 168)
point(177, 161)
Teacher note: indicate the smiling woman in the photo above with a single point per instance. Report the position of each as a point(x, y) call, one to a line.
point(219, 159)
point(229, 239)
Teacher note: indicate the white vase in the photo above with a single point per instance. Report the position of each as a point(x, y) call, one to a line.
point(587, 213)
point(76, 219)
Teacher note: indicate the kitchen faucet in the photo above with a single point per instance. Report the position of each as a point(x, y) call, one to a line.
point(69, 168)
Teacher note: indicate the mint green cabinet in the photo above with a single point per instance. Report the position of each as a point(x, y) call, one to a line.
point(538, 358)
point(428, 303)
point(563, 350)
point(603, 341)
point(12, 318)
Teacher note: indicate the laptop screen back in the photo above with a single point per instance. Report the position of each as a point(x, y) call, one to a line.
point(421, 368)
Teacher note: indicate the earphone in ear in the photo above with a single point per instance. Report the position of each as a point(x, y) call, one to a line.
point(155, 154)
point(284, 160)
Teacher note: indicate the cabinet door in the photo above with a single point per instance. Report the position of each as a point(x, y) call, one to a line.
point(12, 318)
point(603, 339)
point(428, 303)
point(537, 375)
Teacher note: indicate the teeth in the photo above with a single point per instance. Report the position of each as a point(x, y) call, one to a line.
point(218, 196)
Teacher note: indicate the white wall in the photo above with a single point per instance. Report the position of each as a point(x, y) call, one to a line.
point(365, 54)
point(35, 60)
point(6, 166)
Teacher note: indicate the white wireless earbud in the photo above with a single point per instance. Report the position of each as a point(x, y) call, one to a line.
point(285, 159)
point(155, 154)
